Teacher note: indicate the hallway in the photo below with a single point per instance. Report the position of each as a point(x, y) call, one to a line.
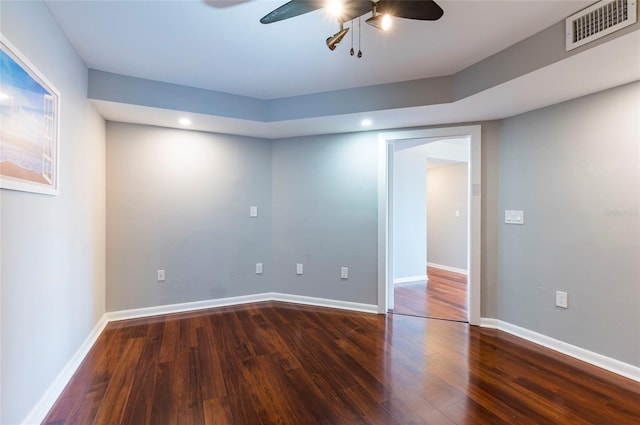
point(444, 297)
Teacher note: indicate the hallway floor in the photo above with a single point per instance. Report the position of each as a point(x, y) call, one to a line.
point(444, 297)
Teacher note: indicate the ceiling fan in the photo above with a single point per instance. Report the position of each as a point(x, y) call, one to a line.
point(347, 10)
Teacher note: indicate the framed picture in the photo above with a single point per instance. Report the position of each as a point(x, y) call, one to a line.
point(29, 125)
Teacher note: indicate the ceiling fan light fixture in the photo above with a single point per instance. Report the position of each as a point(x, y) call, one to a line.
point(380, 21)
point(332, 42)
point(335, 8)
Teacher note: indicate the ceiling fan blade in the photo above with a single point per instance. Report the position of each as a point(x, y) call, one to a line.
point(291, 9)
point(424, 10)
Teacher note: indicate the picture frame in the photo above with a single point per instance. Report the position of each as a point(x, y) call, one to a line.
point(29, 125)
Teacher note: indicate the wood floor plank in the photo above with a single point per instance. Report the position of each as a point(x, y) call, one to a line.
point(117, 395)
point(275, 363)
point(444, 296)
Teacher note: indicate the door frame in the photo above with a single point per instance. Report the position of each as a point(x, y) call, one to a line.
point(385, 194)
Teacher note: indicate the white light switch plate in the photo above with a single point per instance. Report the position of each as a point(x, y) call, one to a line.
point(160, 275)
point(253, 211)
point(344, 272)
point(298, 268)
point(513, 217)
point(259, 268)
point(562, 299)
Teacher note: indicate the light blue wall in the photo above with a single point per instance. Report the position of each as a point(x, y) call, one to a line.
point(447, 192)
point(179, 201)
point(574, 168)
point(325, 216)
point(53, 274)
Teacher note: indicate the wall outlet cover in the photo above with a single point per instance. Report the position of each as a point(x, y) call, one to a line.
point(562, 299)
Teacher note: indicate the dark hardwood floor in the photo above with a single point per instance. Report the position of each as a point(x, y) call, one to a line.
point(276, 363)
point(444, 297)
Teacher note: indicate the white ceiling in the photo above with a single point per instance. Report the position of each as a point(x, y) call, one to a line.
point(226, 49)
point(192, 43)
point(602, 67)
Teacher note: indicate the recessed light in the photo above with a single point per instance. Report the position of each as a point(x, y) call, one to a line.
point(184, 121)
point(366, 122)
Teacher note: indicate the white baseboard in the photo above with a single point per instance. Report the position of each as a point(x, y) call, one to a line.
point(42, 407)
point(323, 302)
point(612, 365)
point(244, 299)
point(185, 307)
point(447, 268)
point(410, 279)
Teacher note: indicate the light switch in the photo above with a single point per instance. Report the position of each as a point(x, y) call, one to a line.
point(457, 213)
point(253, 211)
point(513, 217)
point(344, 272)
point(298, 268)
point(562, 299)
point(258, 268)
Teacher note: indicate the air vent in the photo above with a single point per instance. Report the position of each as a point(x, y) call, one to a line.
point(598, 20)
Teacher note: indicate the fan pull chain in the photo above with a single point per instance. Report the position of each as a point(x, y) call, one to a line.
point(351, 52)
point(359, 30)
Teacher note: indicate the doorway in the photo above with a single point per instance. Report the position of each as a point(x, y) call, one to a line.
point(387, 143)
point(430, 221)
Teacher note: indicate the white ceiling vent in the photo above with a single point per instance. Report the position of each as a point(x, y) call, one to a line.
point(598, 20)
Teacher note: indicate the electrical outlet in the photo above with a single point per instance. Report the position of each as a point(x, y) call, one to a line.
point(298, 268)
point(514, 217)
point(258, 268)
point(160, 275)
point(344, 272)
point(562, 299)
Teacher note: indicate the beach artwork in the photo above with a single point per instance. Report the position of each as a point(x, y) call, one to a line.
point(28, 126)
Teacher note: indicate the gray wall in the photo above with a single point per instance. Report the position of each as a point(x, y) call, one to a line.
point(409, 214)
point(325, 216)
point(52, 264)
point(179, 200)
point(574, 169)
point(447, 189)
